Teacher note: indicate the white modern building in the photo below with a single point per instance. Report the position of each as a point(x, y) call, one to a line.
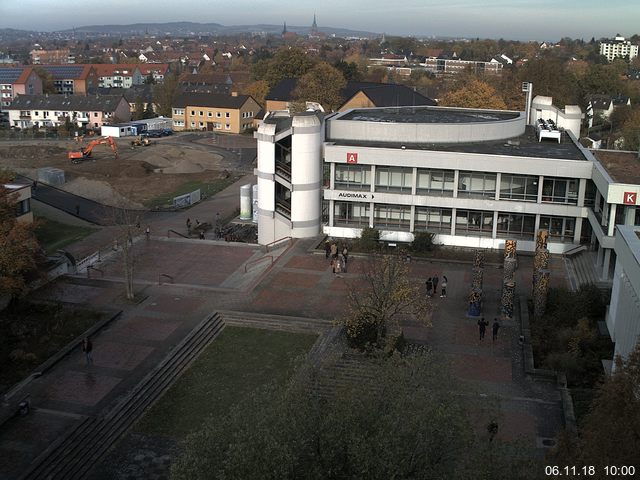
point(623, 315)
point(618, 48)
point(474, 178)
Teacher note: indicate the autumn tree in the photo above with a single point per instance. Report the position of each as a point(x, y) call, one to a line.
point(286, 63)
point(258, 89)
point(614, 416)
point(550, 78)
point(474, 94)
point(631, 131)
point(350, 70)
point(322, 84)
point(18, 245)
point(47, 79)
point(380, 298)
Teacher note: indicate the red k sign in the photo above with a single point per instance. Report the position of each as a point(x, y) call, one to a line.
point(630, 198)
point(352, 157)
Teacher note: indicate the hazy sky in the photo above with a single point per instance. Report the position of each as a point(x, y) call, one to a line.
point(509, 19)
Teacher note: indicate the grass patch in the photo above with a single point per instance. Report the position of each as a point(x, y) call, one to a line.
point(236, 363)
point(54, 235)
point(207, 189)
point(31, 333)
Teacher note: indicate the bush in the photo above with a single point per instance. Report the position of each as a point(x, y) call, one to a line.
point(369, 239)
point(422, 242)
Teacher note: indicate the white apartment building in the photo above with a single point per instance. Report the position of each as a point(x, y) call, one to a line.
point(618, 47)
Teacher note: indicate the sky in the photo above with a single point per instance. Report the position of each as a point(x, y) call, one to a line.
point(546, 20)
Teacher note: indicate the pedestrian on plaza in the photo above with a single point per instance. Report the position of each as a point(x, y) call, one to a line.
point(435, 284)
point(429, 284)
point(87, 347)
point(345, 254)
point(343, 263)
point(495, 328)
point(443, 293)
point(338, 266)
point(482, 327)
point(334, 250)
point(201, 234)
point(147, 232)
point(77, 210)
point(189, 226)
point(327, 249)
point(197, 223)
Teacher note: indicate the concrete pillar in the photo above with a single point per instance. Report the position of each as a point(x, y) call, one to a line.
point(578, 230)
point(453, 220)
point(494, 231)
point(582, 190)
point(414, 183)
point(373, 179)
point(498, 180)
point(456, 179)
point(332, 178)
point(331, 207)
point(612, 219)
point(629, 215)
point(371, 204)
point(412, 220)
point(540, 185)
point(599, 257)
point(605, 265)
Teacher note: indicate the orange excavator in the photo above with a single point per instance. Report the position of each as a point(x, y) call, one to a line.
point(85, 152)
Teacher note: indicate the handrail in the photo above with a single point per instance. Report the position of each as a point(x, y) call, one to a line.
point(164, 275)
point(177, 233)
point(574, 250)
point(257, 260)
point(91, 267)
point(266, 247)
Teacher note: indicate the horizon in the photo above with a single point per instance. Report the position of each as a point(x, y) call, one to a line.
point(520, 20)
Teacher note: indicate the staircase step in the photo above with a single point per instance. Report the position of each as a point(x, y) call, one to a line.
point(276, 322)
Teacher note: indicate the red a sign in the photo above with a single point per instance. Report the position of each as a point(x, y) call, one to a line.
point(352, 157)
point(630, 198)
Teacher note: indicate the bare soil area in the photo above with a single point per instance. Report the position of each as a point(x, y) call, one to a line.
point(138, 176)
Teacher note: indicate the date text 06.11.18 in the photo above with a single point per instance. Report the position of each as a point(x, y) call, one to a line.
point(589, 470)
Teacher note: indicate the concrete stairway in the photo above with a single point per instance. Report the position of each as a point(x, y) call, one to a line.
point(275, 322)
point(74, 455)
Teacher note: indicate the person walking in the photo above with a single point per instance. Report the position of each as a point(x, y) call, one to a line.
point(482, 327)
point(495, 328)
point(443, 293)
point(147, 232)
point(429, 285)
point(201, 234)
point(334, 250)
point(87, 347)
point(435, 284)
point(189, 226)
point(327, 249)
point(345, 254)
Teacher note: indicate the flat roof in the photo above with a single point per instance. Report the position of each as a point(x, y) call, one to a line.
point(623, 167)
point(426, 115)
point(525, 145)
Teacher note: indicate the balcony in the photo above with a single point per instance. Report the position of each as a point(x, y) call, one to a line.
point(284, 170)
point(283, 207)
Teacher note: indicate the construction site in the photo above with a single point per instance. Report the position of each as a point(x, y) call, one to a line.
point(133, 172)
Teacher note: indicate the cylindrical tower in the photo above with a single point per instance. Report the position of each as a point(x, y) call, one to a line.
point(306, 175)
point(266, 182)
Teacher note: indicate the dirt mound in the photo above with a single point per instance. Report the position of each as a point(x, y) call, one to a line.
point(100, 192)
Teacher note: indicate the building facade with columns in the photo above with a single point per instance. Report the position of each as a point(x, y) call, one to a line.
point(474, 178)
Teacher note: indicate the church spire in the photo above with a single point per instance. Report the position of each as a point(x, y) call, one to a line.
point(314, 25)
point(284, 30)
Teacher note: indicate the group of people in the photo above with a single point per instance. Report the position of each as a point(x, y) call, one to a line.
point(482, 328)
point(200, 231)
point(339, 256)
point(432, 286)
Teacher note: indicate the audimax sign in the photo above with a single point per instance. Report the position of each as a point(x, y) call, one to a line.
point(354, 196)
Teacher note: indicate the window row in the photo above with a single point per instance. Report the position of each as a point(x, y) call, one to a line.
point(210, 114)
point(470, 184)
point(439, 220)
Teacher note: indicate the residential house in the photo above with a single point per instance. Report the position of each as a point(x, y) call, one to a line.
point(118, 75)
point(618, 47)
point(89, 111)
point(72, 79)
point(214, 112)
point(603, 106)
point(61, 56)
point(18, 81)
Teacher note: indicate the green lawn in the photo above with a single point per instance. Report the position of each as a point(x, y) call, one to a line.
point(207, 188)
point(237, 362)
point(54, 235)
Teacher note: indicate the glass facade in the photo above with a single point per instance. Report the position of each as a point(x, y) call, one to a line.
point(432, 219)
point(516, 225)
point(353, 177)
point(397, 217)
point(394, 179)
point(560, 190)
point(477, 184)
point(351, 214)
point(519, 187)
point(561, 229)
point(435, 182)
point(474, 222)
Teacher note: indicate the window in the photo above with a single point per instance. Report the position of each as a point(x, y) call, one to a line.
point(353, 177)
point(519, 187)
point(351, 214)
point(35, 114)
point(201, 124)
point(209, 114)
point(474, 222)
point(392, 216)
point(227, 126)
point(193, 113)
point(432, 219)
point(516, 225)
point(227, 115)
point(193, 124)
point(560, 228)
point(218, 115)
point(23, 207)
point(95, 114)
point(477, 184)
point(393, 179)
point(560, 190)
point(201, 113)
point(435, 182)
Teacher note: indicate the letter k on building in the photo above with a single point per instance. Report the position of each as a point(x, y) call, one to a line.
point(630, 198)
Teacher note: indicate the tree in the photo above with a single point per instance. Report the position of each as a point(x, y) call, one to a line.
point(613, 416)
point(631, 131)
point(258, 89)
point(382, 296)
point(322, 84)
point(164, 93)
point(138, 109)
point(474, 94)
point(47, 80)
point(18, 245)
point(286, 63)
point(349, 70)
